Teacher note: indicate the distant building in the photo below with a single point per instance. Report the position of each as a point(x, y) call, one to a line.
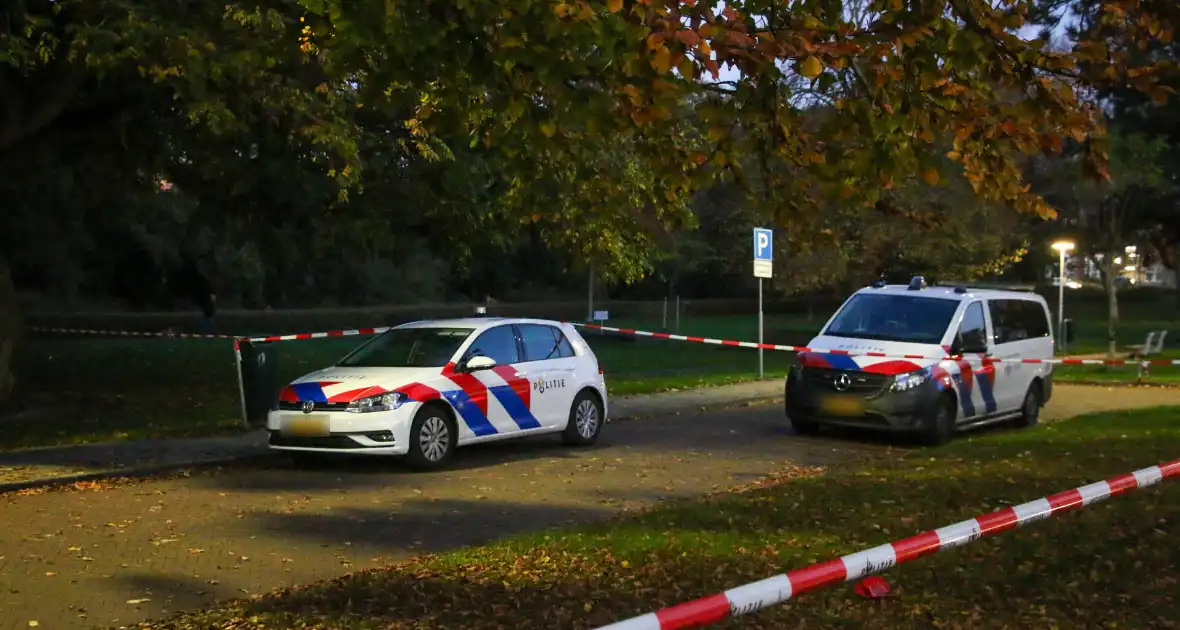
point(1081, 269)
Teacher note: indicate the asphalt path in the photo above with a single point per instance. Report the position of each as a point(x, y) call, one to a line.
point(120, 554)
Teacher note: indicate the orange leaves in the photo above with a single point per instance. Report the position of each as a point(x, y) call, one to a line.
point(931, 176)
point(812, 157)
point(688, 38)
point(662, 60)
point(580, 10)
point(614, 6)
point(811, 67)
point(713, 67)
point(1051, 143)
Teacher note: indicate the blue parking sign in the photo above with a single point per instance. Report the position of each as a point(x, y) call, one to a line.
point(763, 244)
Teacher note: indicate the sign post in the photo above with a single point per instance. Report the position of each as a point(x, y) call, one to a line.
point(763, 268)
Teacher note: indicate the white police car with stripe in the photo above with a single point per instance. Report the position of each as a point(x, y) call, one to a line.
point(421, 390)
point(913, 388)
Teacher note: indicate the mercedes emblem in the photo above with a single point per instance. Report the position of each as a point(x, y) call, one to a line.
point(308, 405)
point(841, 383)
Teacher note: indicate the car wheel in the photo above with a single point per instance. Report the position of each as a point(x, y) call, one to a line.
point(804, 423)
point(1030, 411)
point(433, 436)
point(585, 421)
point(941, 427)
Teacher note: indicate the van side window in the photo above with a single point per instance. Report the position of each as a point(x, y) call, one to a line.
point(1017, 320)
point(973, 328)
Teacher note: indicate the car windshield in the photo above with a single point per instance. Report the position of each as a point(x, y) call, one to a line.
point(886, 317)
point(409, 347)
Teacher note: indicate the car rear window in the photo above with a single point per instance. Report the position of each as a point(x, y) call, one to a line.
point(543, 342)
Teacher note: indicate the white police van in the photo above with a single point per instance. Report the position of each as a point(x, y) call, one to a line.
point(938, 373)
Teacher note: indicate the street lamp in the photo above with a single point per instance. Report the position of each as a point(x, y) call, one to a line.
point(1062, 247)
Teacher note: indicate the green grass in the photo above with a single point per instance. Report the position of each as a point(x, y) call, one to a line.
point(1129, 373)
point(117, 389)
point(120, 389)
point(1111, 565)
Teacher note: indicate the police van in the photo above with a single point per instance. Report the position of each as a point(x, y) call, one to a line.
point(923, 359)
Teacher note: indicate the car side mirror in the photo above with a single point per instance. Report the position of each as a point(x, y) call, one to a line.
point(475, 364)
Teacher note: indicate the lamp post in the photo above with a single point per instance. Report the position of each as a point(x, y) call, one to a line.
point(1062, 247)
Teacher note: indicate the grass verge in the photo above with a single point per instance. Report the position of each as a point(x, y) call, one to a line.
point(86, 390)
point(102, 389)
point(1128, 373)
point(1110, 565)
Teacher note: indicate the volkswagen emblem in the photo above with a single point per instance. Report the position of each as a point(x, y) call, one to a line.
point(308, 405)
point(841, 383)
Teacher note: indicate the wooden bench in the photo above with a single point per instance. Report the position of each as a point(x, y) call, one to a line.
point(1153, 345)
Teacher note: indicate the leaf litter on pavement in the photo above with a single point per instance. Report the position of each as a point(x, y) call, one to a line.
point(1110, 565)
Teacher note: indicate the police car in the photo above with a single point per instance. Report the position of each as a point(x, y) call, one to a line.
point(421, 390)
point(914, 388)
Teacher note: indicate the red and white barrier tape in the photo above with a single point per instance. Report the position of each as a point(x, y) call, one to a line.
point(236, 339)
point(780, 588)
point(317, 335)
point(127, 333)
point(782, 348)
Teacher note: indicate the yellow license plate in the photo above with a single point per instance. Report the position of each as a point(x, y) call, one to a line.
point(843, 406)
point(310, 425)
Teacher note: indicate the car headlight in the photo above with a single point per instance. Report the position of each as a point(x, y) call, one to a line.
point(909, 380)
point(388, 401)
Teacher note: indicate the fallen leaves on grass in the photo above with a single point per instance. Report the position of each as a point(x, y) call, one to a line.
point(1109, 565)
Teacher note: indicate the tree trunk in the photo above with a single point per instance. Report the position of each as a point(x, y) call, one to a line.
point(1109, 276)
point(10, 329)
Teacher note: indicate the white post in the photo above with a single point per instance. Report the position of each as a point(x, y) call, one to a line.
point(1061, 299)
point(678, 314)
point(760, 371)
point(664, 325)
point(590, 296)
point(241, 385)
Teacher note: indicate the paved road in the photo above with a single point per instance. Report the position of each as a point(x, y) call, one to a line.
point(70, 462)
point(80, 559)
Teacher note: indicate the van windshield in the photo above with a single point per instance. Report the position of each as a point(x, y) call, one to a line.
point(886, 317)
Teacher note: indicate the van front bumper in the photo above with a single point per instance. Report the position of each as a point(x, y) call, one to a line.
point(874, 405)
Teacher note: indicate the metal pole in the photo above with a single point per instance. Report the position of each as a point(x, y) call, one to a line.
point(241, 385)
point(590, 295)
point(760, 371)
point(664, 326)
point(678, 314)
point(1061, 300)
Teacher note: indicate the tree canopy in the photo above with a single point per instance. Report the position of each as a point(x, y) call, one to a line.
point(271, 134)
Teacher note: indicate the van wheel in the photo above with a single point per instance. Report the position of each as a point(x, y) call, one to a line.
point(941, 427)
point(1030, 411)
point(802, 422)
point(585, 421)
point(433, 437)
